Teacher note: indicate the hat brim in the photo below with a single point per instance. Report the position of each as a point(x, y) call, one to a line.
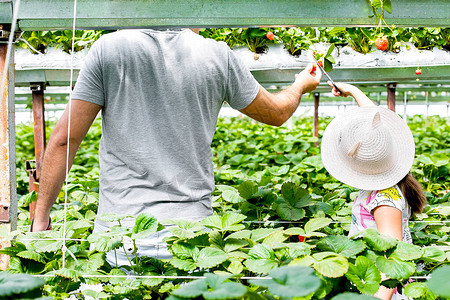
point(403, 148)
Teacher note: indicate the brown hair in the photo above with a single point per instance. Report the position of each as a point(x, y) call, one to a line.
point(413, 192)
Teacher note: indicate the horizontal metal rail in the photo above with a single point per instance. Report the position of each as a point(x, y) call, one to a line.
point(107, 14)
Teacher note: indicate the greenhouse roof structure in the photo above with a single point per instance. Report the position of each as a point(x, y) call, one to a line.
point(106, 14)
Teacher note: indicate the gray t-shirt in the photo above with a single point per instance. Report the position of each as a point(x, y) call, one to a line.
point(161, 92)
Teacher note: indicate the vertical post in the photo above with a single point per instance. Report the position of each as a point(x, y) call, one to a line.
point(378, 98)
point(391, 95)
point(8, 199)
point(405, 101)
point(316, 117)
point(37, 91)
point(426, 101)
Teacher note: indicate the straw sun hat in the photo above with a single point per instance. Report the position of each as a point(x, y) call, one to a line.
point(369, 148)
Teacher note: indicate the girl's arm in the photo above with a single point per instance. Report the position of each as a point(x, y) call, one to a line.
point(351, 90)
point(389, 222)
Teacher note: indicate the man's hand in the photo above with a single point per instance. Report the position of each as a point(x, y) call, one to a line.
point(275, 109)
point(40, 225)
point(307, 79)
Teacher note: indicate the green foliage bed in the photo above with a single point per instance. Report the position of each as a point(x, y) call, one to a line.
point(271, 193)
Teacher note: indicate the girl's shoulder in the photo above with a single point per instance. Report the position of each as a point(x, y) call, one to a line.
point(391, 196)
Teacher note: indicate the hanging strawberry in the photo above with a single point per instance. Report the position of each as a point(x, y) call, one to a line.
point(382, 43)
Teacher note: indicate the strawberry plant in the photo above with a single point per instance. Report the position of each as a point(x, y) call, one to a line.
point(255, 39)
point(425, 38)
point(361, 39)
point(227, 35)
point(333, 35)
point(325, 60)
point(297, 39)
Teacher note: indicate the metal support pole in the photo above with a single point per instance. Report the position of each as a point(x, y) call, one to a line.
point(8, 198)
point(405, 101)
point(426, 101)
point(391, 95)
point(37, 91)
point(316, 117)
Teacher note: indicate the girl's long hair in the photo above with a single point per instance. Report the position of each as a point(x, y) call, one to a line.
point(413, 192)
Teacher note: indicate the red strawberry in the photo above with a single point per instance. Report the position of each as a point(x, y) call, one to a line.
point(418, 71)
point(270, 35)
point(313, 69)
point(382, 43)
point(320, 63)
point(301, 238)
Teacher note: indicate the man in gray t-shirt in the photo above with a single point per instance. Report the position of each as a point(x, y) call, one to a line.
point(160, 93)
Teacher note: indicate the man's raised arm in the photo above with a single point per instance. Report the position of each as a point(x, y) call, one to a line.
point(275, 109)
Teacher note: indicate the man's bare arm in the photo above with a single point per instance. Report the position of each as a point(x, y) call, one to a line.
point(275, 109)
point(54, 165)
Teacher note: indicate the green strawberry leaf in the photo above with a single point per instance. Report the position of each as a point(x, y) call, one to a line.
point(247, 189)
point(69, 274)
point(219, 289)
point(210, 257)
point(394, 268)
point(290, 281)
point(192, 290)
point(365, 275)
point(416, 289)
point(185, 229)
point(227, 222)
point(112, 217)
point(31, 255)
point(405, 251)
point(104, 241)
point(353, 296)
point(377, 241)
point(341, 245)
point(11, 284)
point(334, 266)
point(235, 267)
point(316, 224)
point(146, 224)
point(438, 283)
point(232, 196)
point(433, 254)
point(261, 259)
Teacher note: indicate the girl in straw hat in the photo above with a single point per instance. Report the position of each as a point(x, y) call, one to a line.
point(371, 148)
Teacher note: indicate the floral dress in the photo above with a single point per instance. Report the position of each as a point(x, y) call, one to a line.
point(362, 214)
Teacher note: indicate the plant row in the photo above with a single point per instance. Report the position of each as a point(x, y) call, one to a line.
point(277, 213)
point(294, 39)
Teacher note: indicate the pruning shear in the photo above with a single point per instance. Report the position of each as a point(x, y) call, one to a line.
point(328, 76)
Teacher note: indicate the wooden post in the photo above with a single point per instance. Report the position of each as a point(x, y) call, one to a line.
point(391, 95)
point(8, 199)
point(37, 91)
point(316, 117)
